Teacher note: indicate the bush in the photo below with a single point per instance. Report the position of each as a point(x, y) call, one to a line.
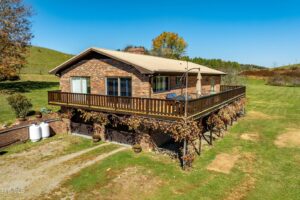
point(13, 77)
point(20, 104)
point(284, 81)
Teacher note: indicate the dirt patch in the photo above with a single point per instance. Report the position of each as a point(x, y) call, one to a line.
point(259, 115)
point(223, 163)
point(246, 164)
point(241, 191)
point(289, 139)
point(26, 182)
point(28, 159)
point(250, 137)
point(131, 183)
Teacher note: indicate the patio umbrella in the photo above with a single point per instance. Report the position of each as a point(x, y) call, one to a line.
point(198, 84)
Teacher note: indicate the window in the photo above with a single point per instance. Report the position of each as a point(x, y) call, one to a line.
point(178, 81)
point(125, 87)
point(160, 83)
point(118, 86)
point(112, 86)
point(80, 85)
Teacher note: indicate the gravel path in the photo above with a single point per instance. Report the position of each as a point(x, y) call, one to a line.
point(23, 182)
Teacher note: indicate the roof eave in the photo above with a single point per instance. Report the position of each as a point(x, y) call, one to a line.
point(80, 55)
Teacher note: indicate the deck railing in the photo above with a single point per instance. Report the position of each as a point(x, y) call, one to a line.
point(144, 106)
point(209, 102)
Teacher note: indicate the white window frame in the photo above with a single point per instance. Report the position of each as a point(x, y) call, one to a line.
point(81, 77)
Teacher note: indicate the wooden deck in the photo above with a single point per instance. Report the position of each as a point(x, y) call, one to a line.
point(159, 108)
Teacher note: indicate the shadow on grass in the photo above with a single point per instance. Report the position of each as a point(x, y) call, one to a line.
point(2, 152)
point(25, 86)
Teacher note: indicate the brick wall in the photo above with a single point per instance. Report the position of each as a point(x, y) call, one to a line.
point(20, 132)
point(192, 80)
point(98, 69)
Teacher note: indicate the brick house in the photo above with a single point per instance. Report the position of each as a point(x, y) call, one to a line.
point(126, 84)
point(107, 72)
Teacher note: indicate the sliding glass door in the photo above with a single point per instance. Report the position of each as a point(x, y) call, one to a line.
point(80, 85)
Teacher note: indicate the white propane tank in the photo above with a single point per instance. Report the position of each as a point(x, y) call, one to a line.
point(35, 133)
point(45, 130)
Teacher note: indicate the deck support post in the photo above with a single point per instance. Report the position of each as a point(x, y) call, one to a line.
point(210, 137)
point(184, 153)
point(200, 144)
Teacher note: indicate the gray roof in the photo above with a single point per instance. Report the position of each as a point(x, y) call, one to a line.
point(146, 64)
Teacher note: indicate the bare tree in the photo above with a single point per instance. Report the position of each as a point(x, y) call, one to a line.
point(15, 36)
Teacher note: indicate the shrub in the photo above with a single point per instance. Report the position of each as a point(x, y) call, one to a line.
point(284, 81)
point(20, 104)
point(45, 110)
point(13, 77)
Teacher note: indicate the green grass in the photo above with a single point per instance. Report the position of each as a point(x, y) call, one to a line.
point(34, 87)
point(275, 171)
point(42, 60)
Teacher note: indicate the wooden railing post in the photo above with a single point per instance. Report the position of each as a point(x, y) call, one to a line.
point(147, 106)
point(115, 102)
point(89, 100)
point(67, 98)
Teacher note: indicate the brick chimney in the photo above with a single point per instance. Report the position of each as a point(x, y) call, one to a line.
point(137, 50)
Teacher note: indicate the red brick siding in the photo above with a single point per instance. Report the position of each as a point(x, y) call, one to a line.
point(192, 79)
point(21, 133)
point(98, 69)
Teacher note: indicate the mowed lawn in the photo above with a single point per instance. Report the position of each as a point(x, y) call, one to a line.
point(267, 167)
point(33, 86)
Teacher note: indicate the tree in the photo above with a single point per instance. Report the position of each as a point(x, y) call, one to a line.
point(169, 45)
point(15, 36)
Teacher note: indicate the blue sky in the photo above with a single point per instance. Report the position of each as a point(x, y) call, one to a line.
point(261, 32)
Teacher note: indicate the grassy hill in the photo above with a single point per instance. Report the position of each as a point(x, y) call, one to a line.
point(293, 66)
point(41, 60)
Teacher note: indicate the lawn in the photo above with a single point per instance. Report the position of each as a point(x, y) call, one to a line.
point(264, 170)
point(33, 86)
point(42, 60)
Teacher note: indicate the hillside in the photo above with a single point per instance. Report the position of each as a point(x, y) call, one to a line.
point(41, 60)
point(293, 66)
point(279, 76)
point(223, 65)
point(288, 70)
